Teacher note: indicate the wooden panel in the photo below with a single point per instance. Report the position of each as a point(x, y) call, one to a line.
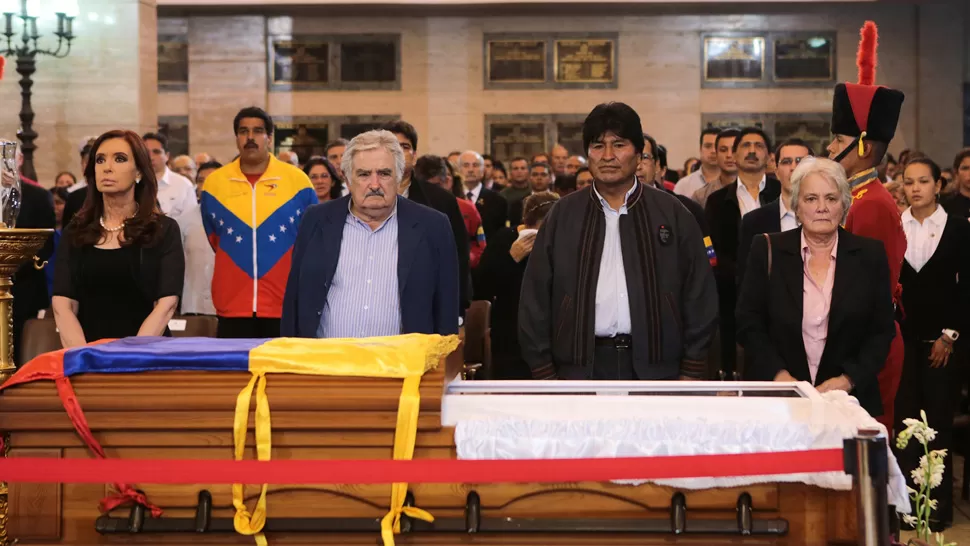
point(34, 508)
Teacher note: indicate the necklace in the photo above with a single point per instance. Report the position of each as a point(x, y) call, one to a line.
point(120, 226)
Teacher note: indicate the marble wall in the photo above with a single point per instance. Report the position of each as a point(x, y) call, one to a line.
point(108, 81)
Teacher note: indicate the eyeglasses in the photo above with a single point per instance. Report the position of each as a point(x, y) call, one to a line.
point(789, 160)
point(647, 157)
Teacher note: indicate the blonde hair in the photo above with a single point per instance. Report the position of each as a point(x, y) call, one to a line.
point(373, 140)
point(828, 169)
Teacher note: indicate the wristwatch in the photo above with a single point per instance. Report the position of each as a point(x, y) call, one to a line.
point(952, 335)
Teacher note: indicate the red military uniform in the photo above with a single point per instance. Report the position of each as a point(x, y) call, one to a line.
point(874, 214)
point(870, 113)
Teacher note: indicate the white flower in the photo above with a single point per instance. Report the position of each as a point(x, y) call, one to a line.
point(932, 504)
point(910, 520)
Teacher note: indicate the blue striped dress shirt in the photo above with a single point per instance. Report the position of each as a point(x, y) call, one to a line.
point(363, 299)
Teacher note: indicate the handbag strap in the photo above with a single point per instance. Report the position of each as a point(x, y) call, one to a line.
point(768, 240)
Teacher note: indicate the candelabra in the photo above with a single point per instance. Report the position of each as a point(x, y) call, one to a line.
point(26, 53)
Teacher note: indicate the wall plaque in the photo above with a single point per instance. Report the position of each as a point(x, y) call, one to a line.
point(570, 135)
point(734, 59)
point(372, 62)
point(305, 137)
point(173, 62)
point(814, 129)
point(176, 130)
point(509, 139)
point(300, 61)
point(584, 61)
point(809, 59)
point(516, 61)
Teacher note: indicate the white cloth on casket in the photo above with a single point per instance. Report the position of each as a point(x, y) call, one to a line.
point(643, 436)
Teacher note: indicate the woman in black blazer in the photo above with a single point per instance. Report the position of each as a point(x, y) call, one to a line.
point(498, 279)
point(119, 267)
point(936, 305)
point(815, 303)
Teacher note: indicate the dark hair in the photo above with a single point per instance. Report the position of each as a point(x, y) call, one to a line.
point(429, 166)
point(498, 166)
point(565, 184)
point(726, 133)
point(653, 145)
point(487, 156)
point(614, 117)
point(793, 142)
point(934, 168)
point(253, 112)
point(890, 159)
point(336, 187)
point(661, 156)
point(60, 193)
point(961, 155)
point(334, 143)
point(519, 158)
point(456, 184)
point(86, 149)
point(162, 139)
point(879, 150)
point(581, 170)
point(541, 164)
point(751, 131)
point(540, 154)
point(535, 207)
point(68, 173)
point(209, 165)
point(141, 229)
point(401, 127)
point(709, 131)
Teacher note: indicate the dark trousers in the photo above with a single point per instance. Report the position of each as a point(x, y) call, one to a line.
point(613, 361)
point(935, 390)
point(248, 327)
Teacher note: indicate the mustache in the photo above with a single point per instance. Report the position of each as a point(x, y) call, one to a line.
point(375, 193)
point(752, 155)
point(250, 144)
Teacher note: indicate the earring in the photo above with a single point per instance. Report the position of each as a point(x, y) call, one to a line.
point(137, 179)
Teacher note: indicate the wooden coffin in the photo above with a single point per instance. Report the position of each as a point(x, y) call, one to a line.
point(189, 415)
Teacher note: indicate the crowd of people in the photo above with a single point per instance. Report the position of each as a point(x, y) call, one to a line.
point(757, 261)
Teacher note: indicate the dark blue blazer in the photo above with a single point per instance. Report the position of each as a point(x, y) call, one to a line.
point(427, 269)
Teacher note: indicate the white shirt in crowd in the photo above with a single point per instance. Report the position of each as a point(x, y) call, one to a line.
point(689, 184)
point(475, 192)
point(745, 201)
point(612, 297)
point(199, 264)
point(788, 220)
point(176, 194)
point(922, 239)
point(80, 184)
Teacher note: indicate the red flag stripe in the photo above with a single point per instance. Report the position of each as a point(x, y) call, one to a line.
point(168, 471)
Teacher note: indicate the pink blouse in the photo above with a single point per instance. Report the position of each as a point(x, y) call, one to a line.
point(817, 301)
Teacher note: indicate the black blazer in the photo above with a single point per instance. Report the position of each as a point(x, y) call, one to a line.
point(724, 219)
point(75, 200)
point(767, 219)
point(861, 326)
point(30, 284)
point(938, 296)
point(494, 210)
point(429, 195)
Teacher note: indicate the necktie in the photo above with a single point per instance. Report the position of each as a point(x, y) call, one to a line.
point(469, 195)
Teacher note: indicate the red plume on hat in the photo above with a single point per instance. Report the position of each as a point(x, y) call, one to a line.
point(866, 57)
point(864, 109)
point(3, 62)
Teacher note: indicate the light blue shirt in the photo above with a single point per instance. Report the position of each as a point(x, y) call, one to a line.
point(612, 297)
point(363, 299)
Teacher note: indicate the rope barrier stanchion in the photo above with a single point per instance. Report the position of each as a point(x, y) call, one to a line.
point(866, 460)
point(338, 472)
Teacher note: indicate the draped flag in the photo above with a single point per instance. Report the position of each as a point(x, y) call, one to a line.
point(406, 357)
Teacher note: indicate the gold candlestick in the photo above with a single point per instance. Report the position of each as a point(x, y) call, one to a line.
point(17, 246)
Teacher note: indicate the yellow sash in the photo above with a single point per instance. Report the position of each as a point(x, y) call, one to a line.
point(406, 356)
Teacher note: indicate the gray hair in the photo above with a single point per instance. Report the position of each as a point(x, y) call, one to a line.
point(828, 169)
point(372, 140)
